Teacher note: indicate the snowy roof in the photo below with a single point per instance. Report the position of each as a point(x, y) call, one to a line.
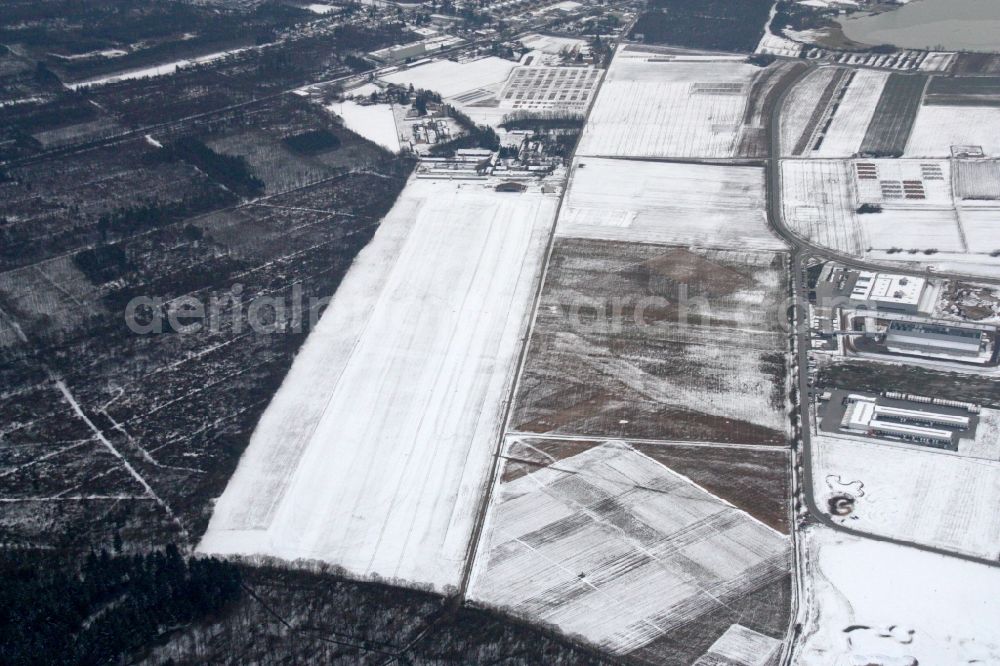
point(887, 288)
point(936, 335)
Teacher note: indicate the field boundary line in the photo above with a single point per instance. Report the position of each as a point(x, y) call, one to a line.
point(640, 440)
point(491, 480)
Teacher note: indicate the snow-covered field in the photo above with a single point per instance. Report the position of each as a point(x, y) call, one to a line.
point(986, 443)
point(982, 227)
point(376, 449)
point(800, 104)
point(155, 70)
point(877, 603)
point(375, 122)
point(820, 200)
point(551, 44)
point(451, 78)
point(977, 179)
point(663, 202)
point(850, 121)
point(602, 545)
point(975, 265)
point(817, 203)
point(938, 128)
point(318, 8)
point(907, 228)
point(912, 493)
point(653, 106)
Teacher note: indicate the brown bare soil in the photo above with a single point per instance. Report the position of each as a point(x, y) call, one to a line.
point(765, 611)
point(757, 482)
point(977, 63)
point(877, 377)
point(627, 332)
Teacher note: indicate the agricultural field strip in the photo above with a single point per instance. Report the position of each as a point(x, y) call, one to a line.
point(652, 107)
point(892, 123)
point(799, 106)
point(583, 380)
point(574, 437)
point(854, 113)
point(820, 200)
point(309, 462)
point(545, 527)
point(666, 203)
point(820, 111)
point(938, 128)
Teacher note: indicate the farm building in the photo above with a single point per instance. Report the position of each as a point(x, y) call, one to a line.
point(934, 338)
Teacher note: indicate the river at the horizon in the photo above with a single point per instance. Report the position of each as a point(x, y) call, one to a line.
point(951, 25)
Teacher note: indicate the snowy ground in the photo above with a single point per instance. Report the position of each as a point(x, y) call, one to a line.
point(375, 122)
point(854, 113)
point(155, 70)
point(800, 105)
point(916, 229)
point(375, 451)
point(603, 545)
point(663, 202)
point(318, 8)
point(552, 44)
point(451, 78)
point(982, 227)
point(820, 200)
point(817, 203)
point(912, 492)
point(986, 443)
point(878, 603)
point(938, 128)
point(978, 180)
point(654, 106)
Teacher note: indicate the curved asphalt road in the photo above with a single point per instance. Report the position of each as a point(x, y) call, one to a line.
point(802, 249)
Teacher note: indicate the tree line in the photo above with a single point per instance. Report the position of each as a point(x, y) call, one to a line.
point(106, 607)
